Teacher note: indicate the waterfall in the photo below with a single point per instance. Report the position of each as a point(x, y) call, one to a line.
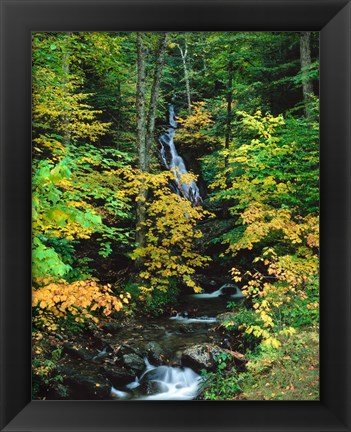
point(161, 383)
point(175, 163)
point(229, 290)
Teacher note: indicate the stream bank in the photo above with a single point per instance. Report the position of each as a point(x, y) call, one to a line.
point(155, 358)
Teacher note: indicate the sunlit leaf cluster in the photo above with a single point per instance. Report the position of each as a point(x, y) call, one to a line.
point(171, 235)
point(80, 299)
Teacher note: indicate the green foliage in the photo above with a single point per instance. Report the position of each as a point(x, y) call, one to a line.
point(220, 385)
point(155, 304)
point(72, 199)
point(160, 300)
point(224, 383)
point(290, 372)
point(74, 192)
point(257, 157)
point(280, 227)
point(44, 370)
point(47, 262)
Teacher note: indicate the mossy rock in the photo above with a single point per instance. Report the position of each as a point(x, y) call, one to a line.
point(225, 318)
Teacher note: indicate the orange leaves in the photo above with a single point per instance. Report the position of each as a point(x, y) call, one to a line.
point(78, 298)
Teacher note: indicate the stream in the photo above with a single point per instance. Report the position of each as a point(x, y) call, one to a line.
point(159, 358)
point(192, 325)
point(189, 326)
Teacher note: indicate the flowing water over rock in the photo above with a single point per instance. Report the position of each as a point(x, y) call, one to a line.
point(230, 290)
point(164, 345)
point(175, 163)
point(161, 383)
point(159, 358)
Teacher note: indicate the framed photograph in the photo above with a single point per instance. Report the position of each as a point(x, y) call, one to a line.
point(169, 173)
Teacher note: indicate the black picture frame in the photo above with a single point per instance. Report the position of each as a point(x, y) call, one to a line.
point(18, 19)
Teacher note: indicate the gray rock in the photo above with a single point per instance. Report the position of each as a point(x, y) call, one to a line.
point(154, 353)
point(226, 317)
point(75, 352)
point(209, 283)
point(201, 356)
point(133, 362)
point(83, 386)
point(129, 349)
point(117, 376)
point(112, 327)
point(154, 387)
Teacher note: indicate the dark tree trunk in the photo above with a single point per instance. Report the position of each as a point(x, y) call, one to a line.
point(305, 59)
point(140, 102)
point(141, 139)
point(66, 75)
point(154, 92)
point(229, 98)
point(146, 125)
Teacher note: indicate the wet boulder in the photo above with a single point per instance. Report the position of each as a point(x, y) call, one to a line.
point(155, 387)
point(112, 327)
point(226, 318)
point(89, 387)
point(117, 375)
point(124, 348)
point(152, 387)
point(76, 352)
point(201, 356)
point(86, 383)
point(155, 353)
point(133, 363)
point(232, 291)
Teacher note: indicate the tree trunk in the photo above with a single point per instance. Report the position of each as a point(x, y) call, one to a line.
point(184, 55)
point(146, 126)
point(305, 59)
point(229, 98)
point(66, 77)
point(140, 102)
point(154, 92)
point(141, 140)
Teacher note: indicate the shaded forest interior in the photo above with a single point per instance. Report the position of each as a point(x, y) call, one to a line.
point(121, 233)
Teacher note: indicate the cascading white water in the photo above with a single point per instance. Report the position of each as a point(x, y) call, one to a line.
point(186, 320)
point(173, 383)
point(166, 382)
point(175, 163)
point(222, 291)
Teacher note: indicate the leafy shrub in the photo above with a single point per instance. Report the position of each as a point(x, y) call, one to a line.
point(222, 384)
point(170, 234)
point(80, 299)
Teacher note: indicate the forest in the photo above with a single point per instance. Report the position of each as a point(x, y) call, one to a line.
point(175, 216)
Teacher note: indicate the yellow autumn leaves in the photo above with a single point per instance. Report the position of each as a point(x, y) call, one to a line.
point(170, 250)
point(79, 299)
